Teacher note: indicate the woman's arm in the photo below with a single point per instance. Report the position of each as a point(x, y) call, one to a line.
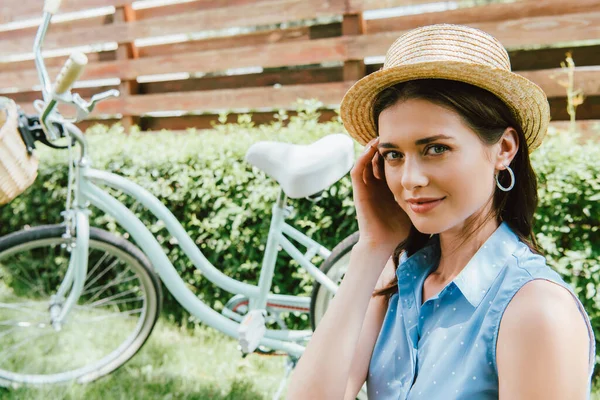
point(376, 310)
point(543, 346)
point(324, 368)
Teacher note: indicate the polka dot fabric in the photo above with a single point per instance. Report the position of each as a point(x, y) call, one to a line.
point(446, 347)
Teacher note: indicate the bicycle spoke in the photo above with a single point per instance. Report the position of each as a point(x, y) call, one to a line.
point(111, 303)
point(18, 266)
point(110, 284)
point(122, 315)
point(39, 279)
point(91, 272)
point(101, 275)
point(20, 279)
point(20, 324)
point(6, 321)
point(111, 320)
point(8, 331)
point(116, 296)
point(23, 343)
point(18, 306)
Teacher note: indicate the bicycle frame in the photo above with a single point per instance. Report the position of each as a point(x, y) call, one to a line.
point(87, 192)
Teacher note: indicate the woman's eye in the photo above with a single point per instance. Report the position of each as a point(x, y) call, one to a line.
point(388, 155)
point(440, 148)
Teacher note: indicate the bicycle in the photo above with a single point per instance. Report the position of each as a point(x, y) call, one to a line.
point(66, 284)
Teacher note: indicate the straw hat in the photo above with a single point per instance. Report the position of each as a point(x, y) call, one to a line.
point(453, 52)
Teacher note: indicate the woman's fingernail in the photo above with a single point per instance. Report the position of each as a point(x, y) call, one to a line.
point(369, 145)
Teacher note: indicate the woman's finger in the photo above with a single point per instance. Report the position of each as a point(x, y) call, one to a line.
point(375, 164)
point(359, 166)
point(359, 163)
point(368, 174)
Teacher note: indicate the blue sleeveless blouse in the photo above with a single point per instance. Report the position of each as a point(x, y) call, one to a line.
point(446, 348)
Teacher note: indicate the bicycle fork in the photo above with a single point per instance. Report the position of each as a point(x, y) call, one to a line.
point(74, 280)
point(252, 328)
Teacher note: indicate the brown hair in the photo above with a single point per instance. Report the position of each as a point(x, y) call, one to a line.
point(488, 117)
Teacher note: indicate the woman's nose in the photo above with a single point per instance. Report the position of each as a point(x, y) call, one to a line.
point(413, 175)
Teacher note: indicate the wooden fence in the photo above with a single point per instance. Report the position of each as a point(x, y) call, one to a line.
point(261, 55)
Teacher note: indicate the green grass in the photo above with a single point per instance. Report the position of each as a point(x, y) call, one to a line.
point(180, 364)
point(177, 364)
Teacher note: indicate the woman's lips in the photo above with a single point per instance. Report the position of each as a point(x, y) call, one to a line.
point(425, 207)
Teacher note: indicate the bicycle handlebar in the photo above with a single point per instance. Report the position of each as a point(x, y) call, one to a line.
point(70, 72)
point(51, 6)
point(60, 91)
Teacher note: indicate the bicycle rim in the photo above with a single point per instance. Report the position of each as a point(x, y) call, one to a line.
point(336, 273)
point(110, 322)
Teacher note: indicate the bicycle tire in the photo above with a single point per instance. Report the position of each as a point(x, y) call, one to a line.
point(333, 267)
point(94, 313)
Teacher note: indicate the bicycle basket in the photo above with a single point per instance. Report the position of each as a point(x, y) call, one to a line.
point(18, 169)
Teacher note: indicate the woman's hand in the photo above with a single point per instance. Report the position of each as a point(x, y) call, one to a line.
point(381, 221)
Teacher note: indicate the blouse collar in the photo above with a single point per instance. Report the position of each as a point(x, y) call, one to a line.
point(477, 277)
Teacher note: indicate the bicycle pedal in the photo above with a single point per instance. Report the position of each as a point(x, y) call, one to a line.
point(251, 330)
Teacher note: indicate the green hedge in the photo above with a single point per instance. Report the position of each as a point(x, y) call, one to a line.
point(223, 203)
point(226, 205)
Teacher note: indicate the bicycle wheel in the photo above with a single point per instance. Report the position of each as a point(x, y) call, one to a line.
point(111, 321)
point(335, 266)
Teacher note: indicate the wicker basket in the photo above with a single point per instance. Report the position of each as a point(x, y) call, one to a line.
point(18, 169)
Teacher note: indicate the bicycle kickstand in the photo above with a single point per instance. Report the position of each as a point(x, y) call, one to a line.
point(290, 365)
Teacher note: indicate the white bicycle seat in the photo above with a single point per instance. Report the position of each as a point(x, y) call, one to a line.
point(303, 170)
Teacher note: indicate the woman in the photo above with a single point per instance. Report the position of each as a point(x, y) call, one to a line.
point(447, 295)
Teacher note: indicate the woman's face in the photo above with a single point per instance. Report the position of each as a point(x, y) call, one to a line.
point(417, 165)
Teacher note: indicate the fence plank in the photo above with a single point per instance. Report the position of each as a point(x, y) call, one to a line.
point(545, 30)
point(485, 13)
point(363, 5)
point(61, 27)
point(590, 109)
point(275, 55)
point(522, 5)
point(513, 34)
point(215, 100)
point(263, 13)
point(589, 129)
point(272, 55)
point(28, 65)
point(204, 121)
point(552, 57)
point(548, 58)
point(19, 10)
point(251, 39)
point(552, 80)
point(182, 8)
point(268, 78)
point(25, 99)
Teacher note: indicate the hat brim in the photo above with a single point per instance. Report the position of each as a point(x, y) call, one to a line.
point(526, 100)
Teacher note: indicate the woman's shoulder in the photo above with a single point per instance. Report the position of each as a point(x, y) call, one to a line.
point(543, 302)
point(529, 264)
point(543, 325)
point(538, 306)
point(530, 285)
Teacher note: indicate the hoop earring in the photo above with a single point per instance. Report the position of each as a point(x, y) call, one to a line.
point(512, 180)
